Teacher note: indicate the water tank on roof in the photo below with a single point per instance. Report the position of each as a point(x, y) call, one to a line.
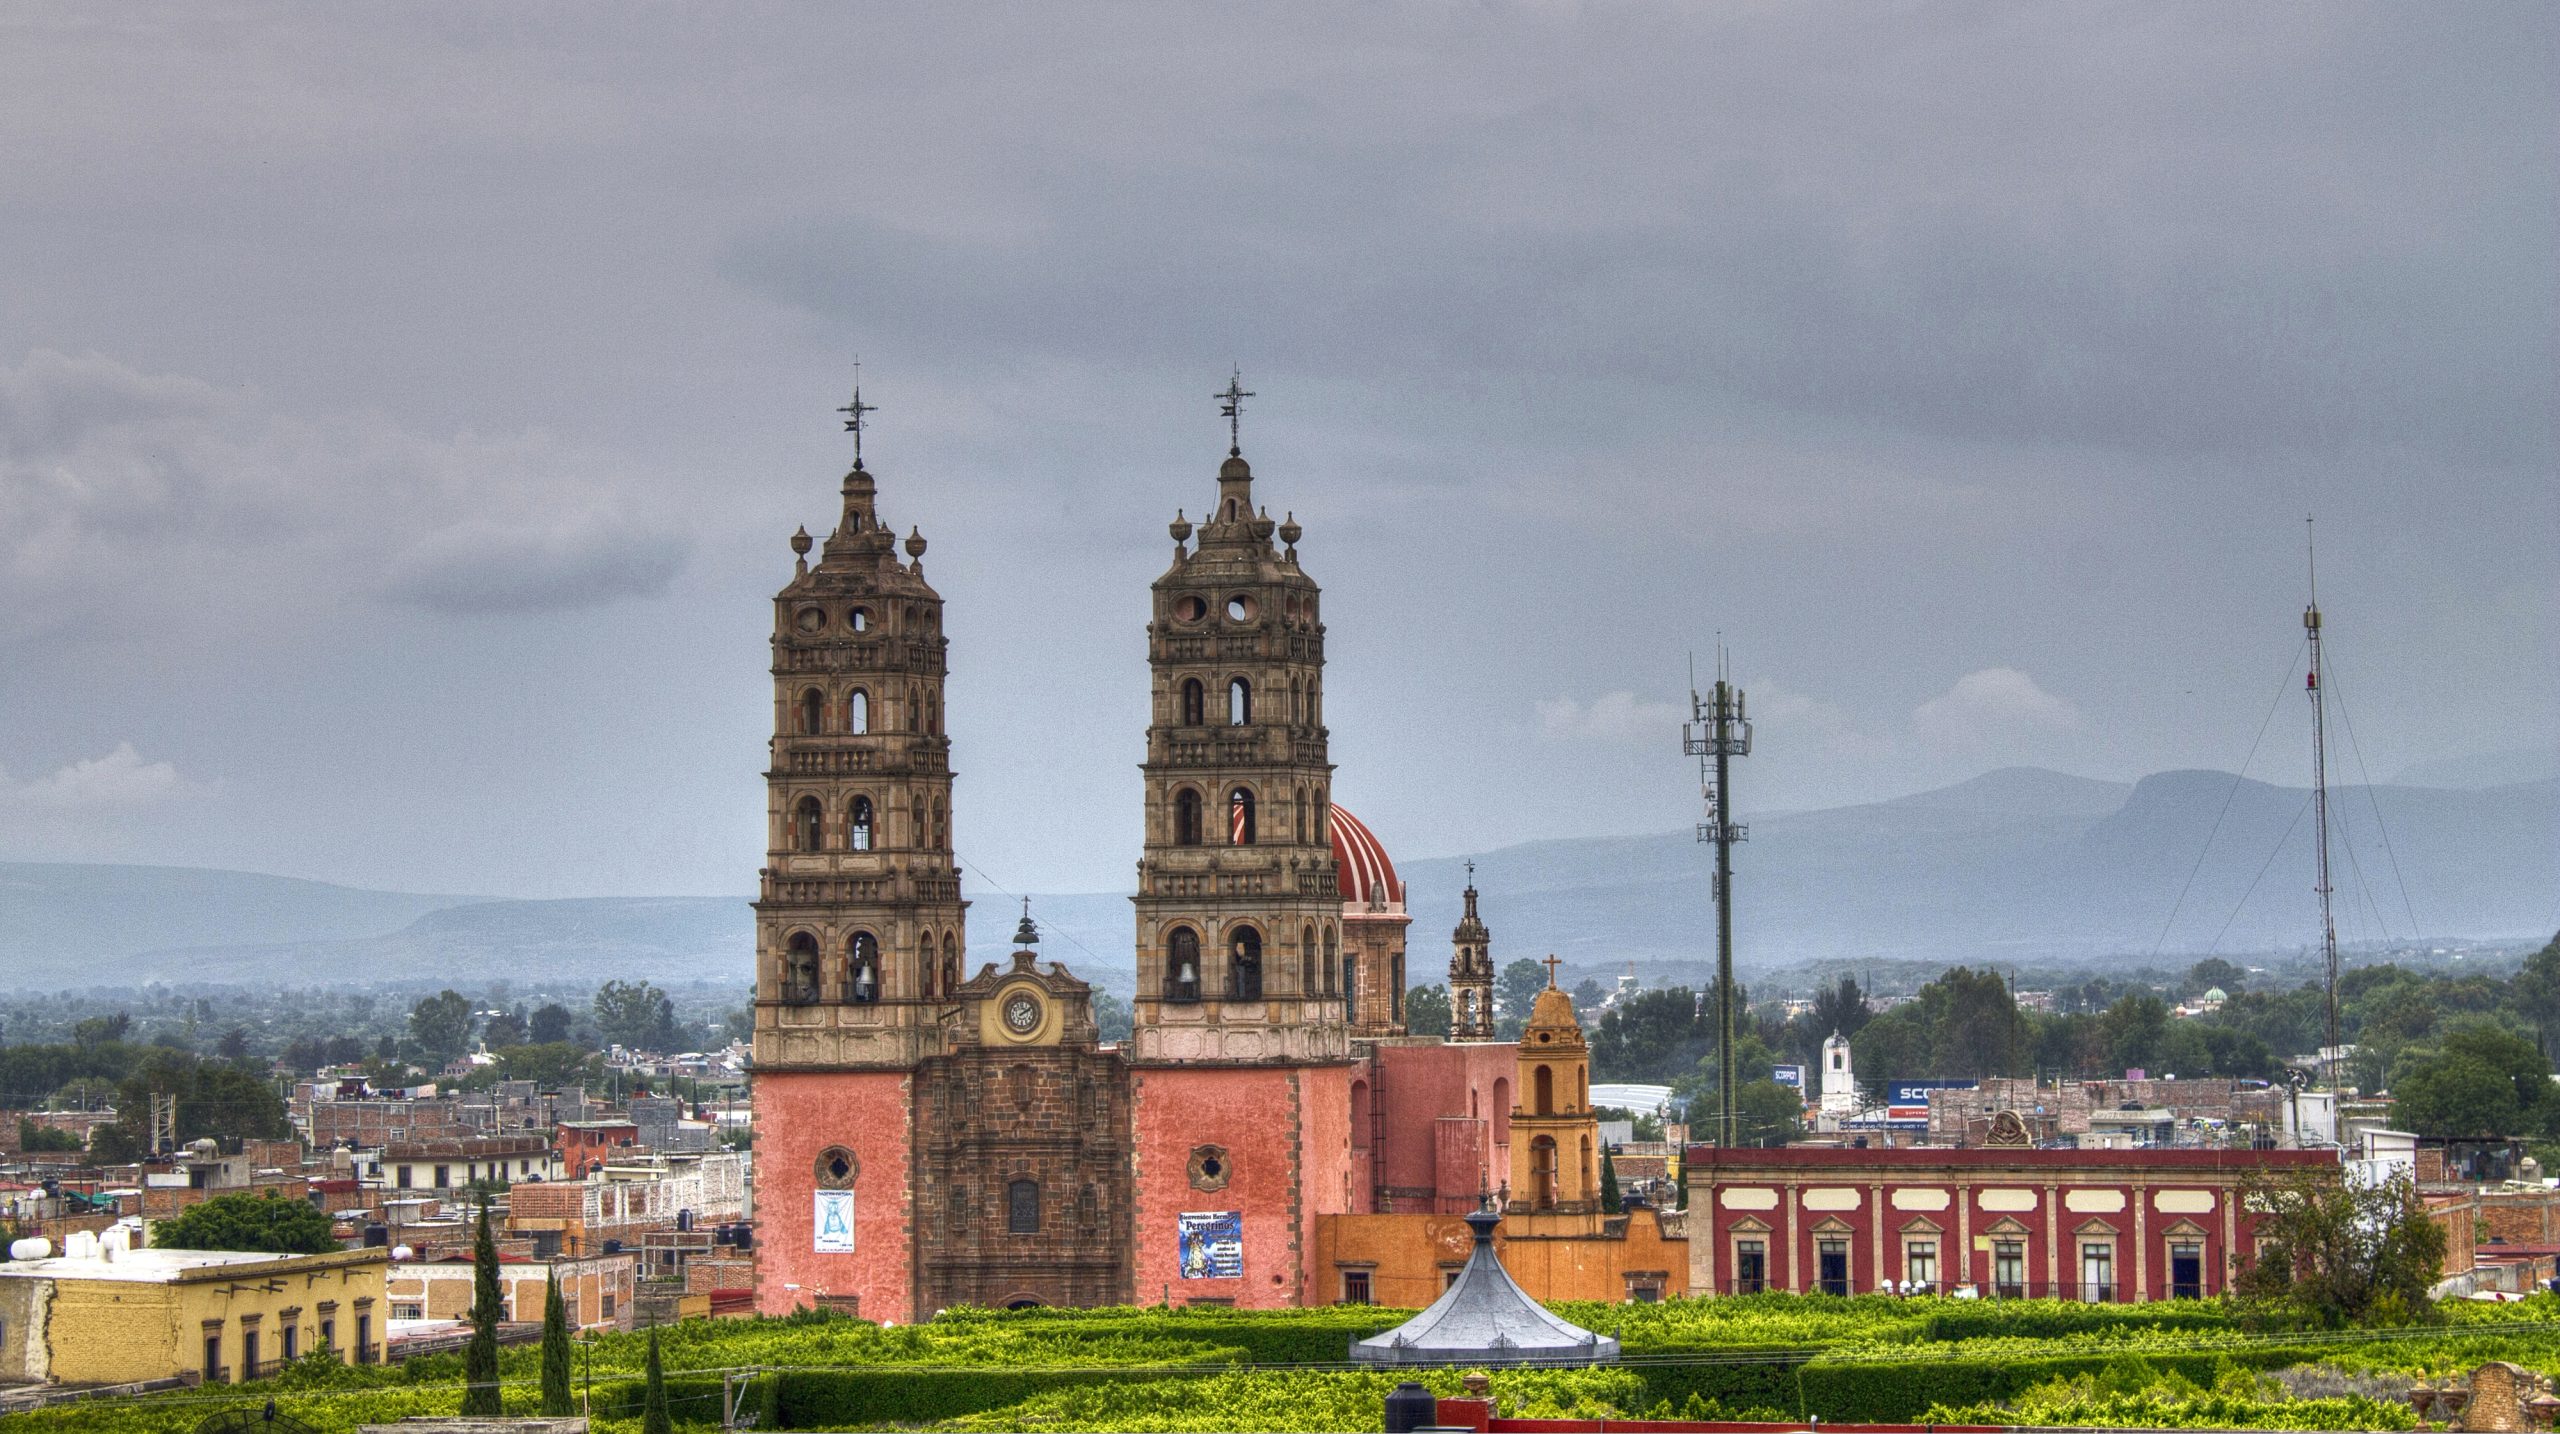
point(36, 1249)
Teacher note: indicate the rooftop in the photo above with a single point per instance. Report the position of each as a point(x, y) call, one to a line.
point(162, 1267)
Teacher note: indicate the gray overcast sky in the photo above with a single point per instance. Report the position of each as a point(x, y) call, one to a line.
point(403, 409)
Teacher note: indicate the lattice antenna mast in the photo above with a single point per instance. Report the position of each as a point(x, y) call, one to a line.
point(1718, 731)
point(2320, 813)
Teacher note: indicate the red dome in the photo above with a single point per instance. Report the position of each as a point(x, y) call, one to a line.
point(1364, 871)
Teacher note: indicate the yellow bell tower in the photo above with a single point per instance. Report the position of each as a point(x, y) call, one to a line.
point(1555, 1138)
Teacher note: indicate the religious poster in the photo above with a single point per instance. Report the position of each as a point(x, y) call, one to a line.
point(1212, 1244)
point(835, 1222)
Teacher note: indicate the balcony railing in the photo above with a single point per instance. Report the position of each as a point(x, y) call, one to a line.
point(2083, 1291)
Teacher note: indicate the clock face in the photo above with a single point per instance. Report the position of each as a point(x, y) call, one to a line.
point(1022, 1015)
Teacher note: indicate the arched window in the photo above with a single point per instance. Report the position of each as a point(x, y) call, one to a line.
point(864, 953)
point(1359, 1115)
point(1395, 986)
point(916, 827)
point(1307, 977)
point(1186, 818)
point(800, 968)
point(1289, 714)
point(857, 712)
point(1239, 702)
point(1244, 965)
point(809, 825)
point(1542, 1172)
point(1502, 1110)
point(932, 713)
point(1240, 817)
point(813, 712)
point(1195, 700)
point(859, 822)
point(861, 619)
point(941, 826)
point(1022, 1207)
point(950, 963)
point(1582, 1089)
point(1298, 828)
point(1545, 1089)
point(1588, 1183)
point(1182, 964)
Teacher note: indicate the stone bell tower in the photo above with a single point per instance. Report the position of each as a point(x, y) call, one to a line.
point(859, 921)
point(1471, 973)
point(1239, 913)
point(1241, 1079)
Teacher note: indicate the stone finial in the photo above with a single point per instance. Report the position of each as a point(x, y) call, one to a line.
point(915, 543)
point(801, 542)
point(1180, 527)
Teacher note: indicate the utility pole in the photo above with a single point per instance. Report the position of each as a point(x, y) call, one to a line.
point(1716, 732)
point(2320, 813)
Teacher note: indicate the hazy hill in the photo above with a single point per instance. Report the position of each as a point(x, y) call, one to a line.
point(2014, 866)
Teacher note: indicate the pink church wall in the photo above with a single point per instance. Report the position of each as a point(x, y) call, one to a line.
point(797, 1116)
point(1425, 1085)
point(1287, 1136)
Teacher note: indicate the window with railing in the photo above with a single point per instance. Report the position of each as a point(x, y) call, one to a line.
point(2097, 1271)
point(1750, 1267)
point(2009, 1269)
point(1920, 1263)
point(1355, 1287)
point(1831, 1266)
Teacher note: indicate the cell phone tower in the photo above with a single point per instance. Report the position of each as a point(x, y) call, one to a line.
point(2320, 812)
point(1718, 731)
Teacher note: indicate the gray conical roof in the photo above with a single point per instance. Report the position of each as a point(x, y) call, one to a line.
point(1485, 1318)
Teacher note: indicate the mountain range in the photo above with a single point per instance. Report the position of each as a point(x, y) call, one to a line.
point(2019, 865)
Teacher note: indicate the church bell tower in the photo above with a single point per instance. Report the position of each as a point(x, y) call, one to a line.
point(859, 919)
point(1471, 973)
point(1239, 913)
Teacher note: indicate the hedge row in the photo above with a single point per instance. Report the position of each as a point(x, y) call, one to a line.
point(1902, 1390)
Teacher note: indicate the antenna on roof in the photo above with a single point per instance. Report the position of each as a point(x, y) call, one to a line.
point(1716, 732)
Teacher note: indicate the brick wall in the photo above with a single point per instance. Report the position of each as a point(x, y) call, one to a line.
point(988, 1118)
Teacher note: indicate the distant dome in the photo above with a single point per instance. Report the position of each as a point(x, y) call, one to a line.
point(2216, 995)
point(1361, 864)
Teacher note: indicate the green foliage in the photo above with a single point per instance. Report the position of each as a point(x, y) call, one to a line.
point(38, 1139)
point(260, 1221)
point(549, 1025)
point(1609, 1200)
point(653, 1412)
point(1515, 990)
point(441, 1025)
point(1653, 1036)
point(1965, 1023)
point(480, 1357)
point(1767, 1113)
point(636, 1016)
point(2333, 1254)
point(554, 1066)
point(1426, 1011)
point(2484, 1082)
point(555, 1349)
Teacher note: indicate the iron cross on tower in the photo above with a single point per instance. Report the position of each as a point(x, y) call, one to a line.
point(853, 412)
point(1231, 408)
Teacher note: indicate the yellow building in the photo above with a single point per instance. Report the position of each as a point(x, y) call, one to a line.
point(117, 1316)
point(1554, 1135)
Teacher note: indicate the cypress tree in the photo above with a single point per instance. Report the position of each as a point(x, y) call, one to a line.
point(1609, 1200)
point(480, 1357)
point(555, 1350)
point(653, 1409)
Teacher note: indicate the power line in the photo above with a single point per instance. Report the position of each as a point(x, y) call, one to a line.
point(2283, 684)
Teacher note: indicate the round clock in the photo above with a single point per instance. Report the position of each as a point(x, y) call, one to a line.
point(1022, 1014)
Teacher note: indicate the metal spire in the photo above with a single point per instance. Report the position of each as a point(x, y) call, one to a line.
point(1231, 408)
point(2320, 805)
point(853, 412)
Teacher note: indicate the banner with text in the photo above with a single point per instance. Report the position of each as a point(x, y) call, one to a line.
point(835, 1222)
point(1212, 1244)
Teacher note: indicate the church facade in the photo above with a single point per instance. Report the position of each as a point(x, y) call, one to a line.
point(928, 1137)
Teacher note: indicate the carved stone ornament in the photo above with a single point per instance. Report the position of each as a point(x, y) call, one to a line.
point(1209, 1167)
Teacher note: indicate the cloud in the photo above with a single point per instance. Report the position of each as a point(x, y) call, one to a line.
point(120, 781)
point(1994, 703)
point(106, 470)
point(1610, 717)
point(483, 567)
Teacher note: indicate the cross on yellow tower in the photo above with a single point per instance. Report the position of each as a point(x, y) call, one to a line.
point(1551, 963)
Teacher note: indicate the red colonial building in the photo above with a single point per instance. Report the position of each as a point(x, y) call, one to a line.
point(2069, 1224)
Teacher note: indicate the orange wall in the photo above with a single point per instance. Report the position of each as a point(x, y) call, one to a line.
point(1554, 1257)
point(799, 1114)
